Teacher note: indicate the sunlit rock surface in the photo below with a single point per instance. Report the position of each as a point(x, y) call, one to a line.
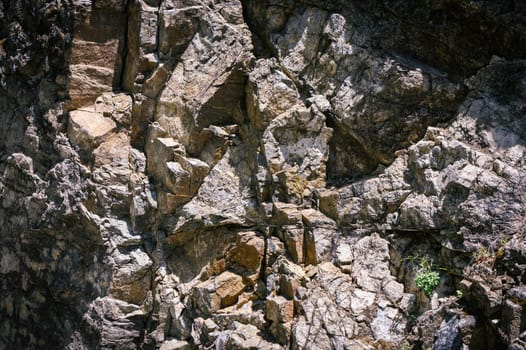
point(242, 174)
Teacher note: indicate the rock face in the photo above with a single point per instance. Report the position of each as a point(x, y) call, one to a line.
point(241, 174)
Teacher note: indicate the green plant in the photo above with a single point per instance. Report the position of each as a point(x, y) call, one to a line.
point(426, 278)
point(459, 294)
point(482, 254)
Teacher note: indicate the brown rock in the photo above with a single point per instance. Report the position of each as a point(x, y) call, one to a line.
point(178, 177)
point(131, 277)
point(319, 234)
point(289, 284)
point(279, 309)
point(114, 151)
point(217, 293)
point(228, 287)
point(88, 82)
point(285, 214)
point(96, 53)
point(294, 240)
point(116, 106)
point(296, 148)
point(327, 201)
point(177, 27)
point(249, 250)
point(142, 39)
point(87, 128)
point(293, 184)
point(201, 91)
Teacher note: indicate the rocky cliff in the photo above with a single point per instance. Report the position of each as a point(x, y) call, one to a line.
point(261, 174)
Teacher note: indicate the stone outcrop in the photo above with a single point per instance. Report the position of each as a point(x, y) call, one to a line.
point(242, 174)
point(96, 55)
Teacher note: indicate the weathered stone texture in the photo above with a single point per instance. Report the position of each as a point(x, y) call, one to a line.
point(260, 174)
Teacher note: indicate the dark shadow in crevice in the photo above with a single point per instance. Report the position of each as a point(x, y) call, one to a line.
point(348, 160)
point(262, 48)
point(57, 252)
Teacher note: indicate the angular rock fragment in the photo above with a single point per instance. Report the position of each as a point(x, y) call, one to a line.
point(88, 128)
point(320, 232)
point(279, 309)
point(132, 276)
point(96, 53)
point(217, 293)
point(250, 249)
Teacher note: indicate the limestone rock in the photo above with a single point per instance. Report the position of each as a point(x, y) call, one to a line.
point(87, 128)
point(451, 328)
point(116, 106)
point(333, 310)
point(205, 91)
point(114, 152)
point(271, 93)
point(319, 309)
point(224, 198)
point(294, 238)
point(96, 52)
point(279, 309)
point(245, 312)
point(178, 177)
point(175, 344)
point(132, 276)
point(514, 257)
point(243, 337)
point(219, 292)
point(320, 232)
point(357, 78)
point(288, 218)
point(262, 174)
point(118, 233)
point(142, 41)
point(285, 214)
point(512, 316)
point(249, 251)
point(115, 320)
point(297, 138)
point(371, 266)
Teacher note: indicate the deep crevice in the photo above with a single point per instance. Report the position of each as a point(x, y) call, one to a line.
point(124, 49)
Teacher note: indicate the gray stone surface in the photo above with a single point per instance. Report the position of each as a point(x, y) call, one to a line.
point(260, 174)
